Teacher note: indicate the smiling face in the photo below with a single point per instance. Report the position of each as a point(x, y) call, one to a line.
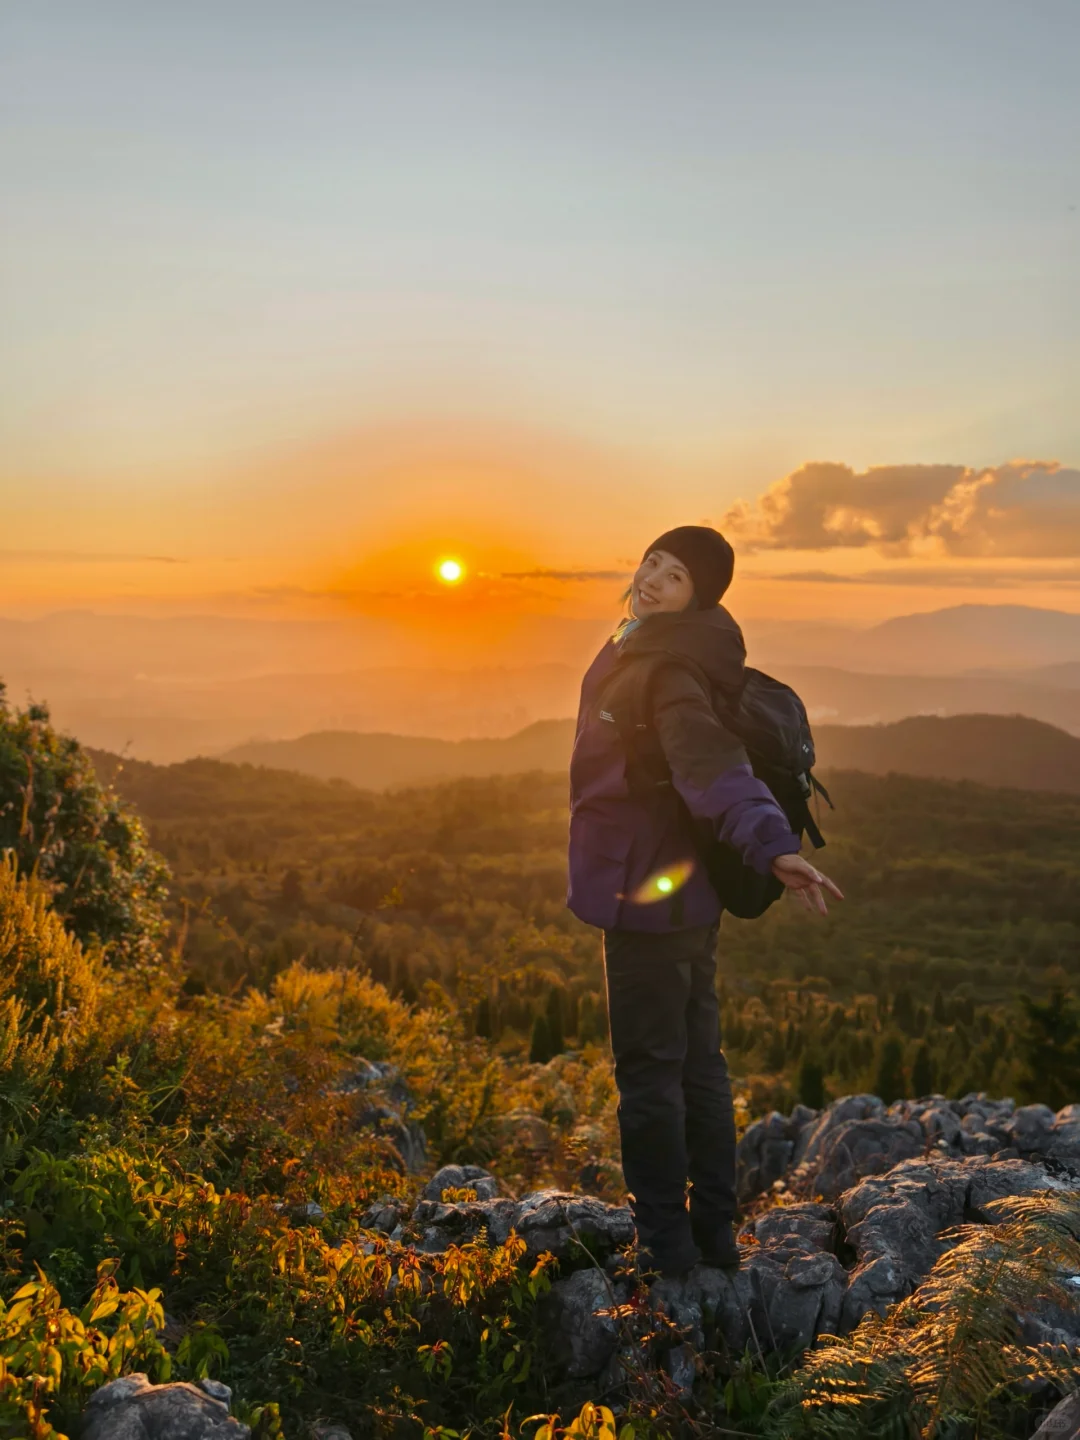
point(661, 583)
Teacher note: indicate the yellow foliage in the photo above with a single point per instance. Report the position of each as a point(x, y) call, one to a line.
point(52, 1359)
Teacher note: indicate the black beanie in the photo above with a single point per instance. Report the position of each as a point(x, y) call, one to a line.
point(706, 554)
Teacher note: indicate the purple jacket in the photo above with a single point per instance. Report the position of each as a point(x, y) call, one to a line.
point(620, 843)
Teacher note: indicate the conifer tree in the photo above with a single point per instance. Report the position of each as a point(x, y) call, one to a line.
point(553, 1015)
point(774, 1056)
point(540, 1051)
point(903, 1010)
point(1048, 1045)
point(889, 1081)
point(586, 1018)
point(484, 1025)
point(922, 1072)
point(811, 1083)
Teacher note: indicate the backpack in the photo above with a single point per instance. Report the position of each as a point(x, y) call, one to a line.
point(771, 722)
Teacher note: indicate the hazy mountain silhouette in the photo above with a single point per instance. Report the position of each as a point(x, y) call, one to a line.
point(377, 762)
point(168, 688)
point(951, 641)
point(1009, 750)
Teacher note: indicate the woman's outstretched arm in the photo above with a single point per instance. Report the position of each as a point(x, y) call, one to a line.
point(711, 771)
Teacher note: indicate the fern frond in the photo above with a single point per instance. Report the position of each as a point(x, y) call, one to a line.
point(938, 1363)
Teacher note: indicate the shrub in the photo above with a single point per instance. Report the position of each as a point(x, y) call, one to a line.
point(76, 838)
point(51, 1360)
point(50, 993)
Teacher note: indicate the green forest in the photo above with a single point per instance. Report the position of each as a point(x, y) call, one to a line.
point(963, 899)
point(197, 962)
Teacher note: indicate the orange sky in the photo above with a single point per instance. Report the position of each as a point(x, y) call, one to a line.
point(293, 309)
point(544, 525)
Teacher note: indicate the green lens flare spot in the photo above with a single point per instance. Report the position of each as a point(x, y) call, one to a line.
point(665, 884)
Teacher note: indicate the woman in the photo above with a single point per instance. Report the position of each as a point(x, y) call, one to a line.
point(634, 873)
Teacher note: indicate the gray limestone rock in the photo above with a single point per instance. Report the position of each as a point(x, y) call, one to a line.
point(461, 1177)
point(894, 1222)
point(546, 1219)
point(1063, 1422)
point(583, 1339)
point(131, 1408)
point(552, 1220)
point(455, 1224)
point(770, 1147)
point(857, 1148)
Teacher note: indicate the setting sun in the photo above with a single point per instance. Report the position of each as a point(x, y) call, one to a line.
point(450, 571)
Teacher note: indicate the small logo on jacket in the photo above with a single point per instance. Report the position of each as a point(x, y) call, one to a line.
point(605, 716)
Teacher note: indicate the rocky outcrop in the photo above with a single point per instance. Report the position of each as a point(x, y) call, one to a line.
point(551, 1220)
point(881, 1187)
point(826, 1154)
point(381, 1104)
point(811, 1268)
point(131, 1408)
point(1063, 1422)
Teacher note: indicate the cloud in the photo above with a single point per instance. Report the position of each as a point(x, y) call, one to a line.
point(1026, 508)
point(966, 577)
point(83, 557)
point(568, 575)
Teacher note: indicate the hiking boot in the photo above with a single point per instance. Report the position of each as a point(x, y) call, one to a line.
point(721, 1250)
point(661, 1265)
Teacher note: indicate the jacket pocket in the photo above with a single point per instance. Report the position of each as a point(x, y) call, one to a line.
point(598, 856)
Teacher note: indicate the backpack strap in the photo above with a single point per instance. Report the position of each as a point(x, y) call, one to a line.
point(819, 789)
point(810, 825)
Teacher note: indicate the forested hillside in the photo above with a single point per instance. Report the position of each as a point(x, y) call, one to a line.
point(1010, 750)
point(960, 898)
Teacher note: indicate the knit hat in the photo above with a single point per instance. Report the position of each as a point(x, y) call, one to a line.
point(706, 554)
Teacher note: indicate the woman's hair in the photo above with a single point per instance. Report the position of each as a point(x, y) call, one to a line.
point(628, 618)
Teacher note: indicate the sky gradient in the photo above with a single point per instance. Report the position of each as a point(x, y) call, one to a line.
point(297, 298)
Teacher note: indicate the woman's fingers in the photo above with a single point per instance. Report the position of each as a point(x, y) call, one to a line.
point(810, 895)
point(830, 885)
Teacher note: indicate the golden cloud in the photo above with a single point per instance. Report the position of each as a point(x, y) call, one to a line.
point(1023, 509)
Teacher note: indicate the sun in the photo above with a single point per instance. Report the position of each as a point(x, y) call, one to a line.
point(450, 571)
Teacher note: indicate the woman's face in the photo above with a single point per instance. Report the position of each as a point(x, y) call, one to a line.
point(660, 583)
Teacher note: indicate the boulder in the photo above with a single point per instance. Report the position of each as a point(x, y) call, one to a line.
point(583, 1338)
point(856, 1148)
point(546, 1219)
point(382, 1104)
point(1029, 1128)
point(522, 1130)
point(461, 1177)
point(383, 1216)
point(1063, 1422)
point(441, 1225)
point(894, 1222)
point(560, 1223)
point(131, 1408)
point(858, 1136)
point(789, 1290)
point(770, 1147)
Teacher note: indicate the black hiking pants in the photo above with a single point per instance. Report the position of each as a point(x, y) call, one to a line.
point(676, 1118)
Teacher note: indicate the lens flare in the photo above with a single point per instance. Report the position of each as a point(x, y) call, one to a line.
point(663, 883)
point(450, 571)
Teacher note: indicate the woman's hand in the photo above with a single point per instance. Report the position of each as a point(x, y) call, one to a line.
point(805, 882)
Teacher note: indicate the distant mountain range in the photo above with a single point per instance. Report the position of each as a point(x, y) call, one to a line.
point(165, 689)
point(953, 641)
point(1007, 750)
point(380, 762)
